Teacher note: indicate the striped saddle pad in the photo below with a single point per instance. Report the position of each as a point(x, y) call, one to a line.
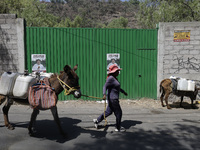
point(42, 96)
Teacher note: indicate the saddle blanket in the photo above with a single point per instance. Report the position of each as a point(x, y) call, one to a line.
point(42, 96)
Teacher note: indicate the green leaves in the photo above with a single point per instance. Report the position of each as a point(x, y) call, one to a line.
point(33, 11)
point(154, 11)
point(118, 23)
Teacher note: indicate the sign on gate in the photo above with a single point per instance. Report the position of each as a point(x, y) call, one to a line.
point(38, 62)
point(113, 58)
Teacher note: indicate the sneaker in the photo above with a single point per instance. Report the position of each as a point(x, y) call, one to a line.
point(95, 123)
point(122, 129)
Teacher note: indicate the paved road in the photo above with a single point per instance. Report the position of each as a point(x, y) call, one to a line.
point(146, 129)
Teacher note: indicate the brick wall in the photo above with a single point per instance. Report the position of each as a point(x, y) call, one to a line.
point(180, 59)
point(11, 43)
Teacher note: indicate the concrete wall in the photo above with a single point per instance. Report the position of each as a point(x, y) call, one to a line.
point(180, 59)
point(11, 43)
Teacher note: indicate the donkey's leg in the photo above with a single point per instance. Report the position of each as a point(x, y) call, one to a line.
point(5, 109)
point(57, 120)
point(2, 99)
point(33, 118)
point(192, 103)
point(181, 101)
point(166, 100)
point(161, 98)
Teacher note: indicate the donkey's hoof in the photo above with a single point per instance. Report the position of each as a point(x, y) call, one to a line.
point(64, 135)
point(169, 107)
point(31, 133)
point(194, 107)
point(10, 127)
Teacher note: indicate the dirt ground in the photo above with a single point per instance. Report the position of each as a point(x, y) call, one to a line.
point(140, 103)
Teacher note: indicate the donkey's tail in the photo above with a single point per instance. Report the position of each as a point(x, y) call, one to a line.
point(161, 88)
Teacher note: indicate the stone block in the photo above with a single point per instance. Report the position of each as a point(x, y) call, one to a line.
point(13, 37)
point(168, 47)
point(13, 26)
point(11, 32)
point(14, 46)
point(5, 26)
point(183, 71)
point(166, 62)
point(196, 42)
point(12, 42)
point(197, 38)
point(173, 52)
point(188, 47)
point(196, 70)
point(9, 47)
point(165, 70)
point(189, 28)
point(13, 52)
point(166, 57)
point(197, 47)
point(194, 52)
point(10, 21)
point(2, 21)
point(173, 71)
point(169, 38)
point(195, 32)
point(179, 47)
point(179, 28)
point(8, 16)
point(3, 52)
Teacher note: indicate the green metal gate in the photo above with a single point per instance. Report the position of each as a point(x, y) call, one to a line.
point(88, 49)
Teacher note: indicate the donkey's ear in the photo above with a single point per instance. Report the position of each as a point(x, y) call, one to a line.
point(67, 69)
point(75, 67)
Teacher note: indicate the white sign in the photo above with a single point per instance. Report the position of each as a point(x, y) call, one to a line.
point(38, 62)
point(113, 58)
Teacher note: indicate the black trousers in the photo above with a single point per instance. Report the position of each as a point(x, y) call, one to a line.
point(113, 106)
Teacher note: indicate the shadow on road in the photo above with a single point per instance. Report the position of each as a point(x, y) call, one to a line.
point(47, 129)
point(185, 105)
point(163, 137)
point(139, 139)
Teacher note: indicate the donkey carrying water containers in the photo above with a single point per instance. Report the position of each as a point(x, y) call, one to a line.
point(58, 83)
point(167, 87)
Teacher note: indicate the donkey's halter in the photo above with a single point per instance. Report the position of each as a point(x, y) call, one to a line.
point(63, 84)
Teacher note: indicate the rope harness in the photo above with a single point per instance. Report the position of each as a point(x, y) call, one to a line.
point(63, 84)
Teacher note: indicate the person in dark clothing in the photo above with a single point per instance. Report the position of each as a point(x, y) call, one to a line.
point(112, 86)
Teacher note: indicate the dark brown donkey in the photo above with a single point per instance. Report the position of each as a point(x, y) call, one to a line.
point(68, 76)
point(166, 90)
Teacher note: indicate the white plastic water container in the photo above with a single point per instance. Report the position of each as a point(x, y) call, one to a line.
point(191, 85)
point(7, 82)
point(182, 84)
point(172, 77)
point(44, 74)
point(22, 85)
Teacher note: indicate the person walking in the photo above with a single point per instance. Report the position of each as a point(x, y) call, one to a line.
point(112, 87)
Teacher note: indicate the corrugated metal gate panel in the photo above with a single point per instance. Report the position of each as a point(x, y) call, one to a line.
point(88, 49)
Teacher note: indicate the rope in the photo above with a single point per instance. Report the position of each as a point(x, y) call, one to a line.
point(106, 122)
point(91, 96)
point(67, 92)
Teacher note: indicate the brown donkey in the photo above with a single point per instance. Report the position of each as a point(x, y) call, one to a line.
point(68, 76)
point(166, 90)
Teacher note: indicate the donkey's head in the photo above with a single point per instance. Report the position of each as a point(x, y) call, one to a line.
point(70, 79)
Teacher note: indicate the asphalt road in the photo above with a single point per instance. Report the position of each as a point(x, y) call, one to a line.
point(146, 129)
